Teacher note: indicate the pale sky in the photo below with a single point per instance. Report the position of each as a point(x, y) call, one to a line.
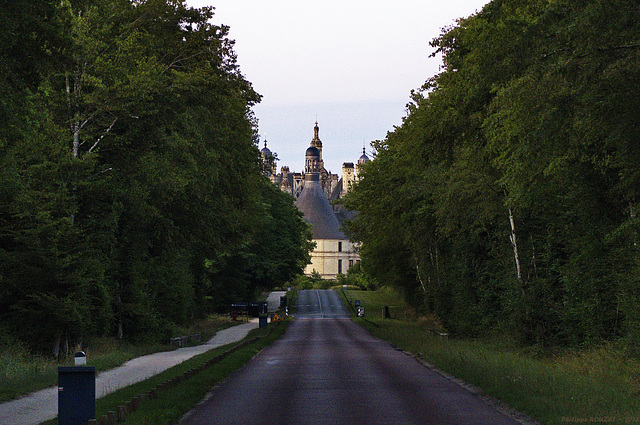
point(349, 64)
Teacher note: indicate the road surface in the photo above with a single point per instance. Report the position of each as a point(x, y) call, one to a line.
point(328, 370)
point(318, 304)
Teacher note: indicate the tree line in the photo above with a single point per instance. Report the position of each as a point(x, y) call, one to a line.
point(506, 202)
point(132, 197)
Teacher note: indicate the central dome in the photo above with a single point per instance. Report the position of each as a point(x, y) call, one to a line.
point(266, 152)
point(313, 151)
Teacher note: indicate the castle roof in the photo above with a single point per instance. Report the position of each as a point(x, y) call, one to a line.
point(363, 158)
point(312, 151)
point(315, 142)
point(266, 152)
point(317, 211)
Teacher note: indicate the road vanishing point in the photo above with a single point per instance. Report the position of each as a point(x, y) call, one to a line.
point(328, 370)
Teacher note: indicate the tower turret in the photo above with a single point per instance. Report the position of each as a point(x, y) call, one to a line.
point(316, 143)
point(268, 161)
point(363, 158)
point(312, 164)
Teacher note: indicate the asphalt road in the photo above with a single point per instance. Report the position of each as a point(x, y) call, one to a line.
point(328, 370)
point(318, 304)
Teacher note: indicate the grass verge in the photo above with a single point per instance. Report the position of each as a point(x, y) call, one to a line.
point(595, 386)
point(292, 301)
point(375, 301)
point(21, 374)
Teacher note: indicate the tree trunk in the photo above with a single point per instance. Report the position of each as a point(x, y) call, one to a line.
point(56, 344)
point(534, 264)
point(415, 261)
point(66, 343)
point(632, 215)
point(424, 288)
point(514, 244)
point(76, 140)
point(436, 260)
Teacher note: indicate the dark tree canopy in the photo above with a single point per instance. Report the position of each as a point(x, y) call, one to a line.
point(507, 200)
point(131, 190)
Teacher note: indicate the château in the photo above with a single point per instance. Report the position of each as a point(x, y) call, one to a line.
point(315, 191)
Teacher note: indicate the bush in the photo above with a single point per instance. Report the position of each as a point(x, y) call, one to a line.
point(302, 282)
point(359, 278)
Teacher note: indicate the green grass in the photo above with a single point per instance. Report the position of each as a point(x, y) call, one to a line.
point(569, 387)
point(375, 301)
point(292, 300)
point(21, 373)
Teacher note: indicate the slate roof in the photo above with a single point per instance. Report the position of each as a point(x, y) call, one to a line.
point(318, 212)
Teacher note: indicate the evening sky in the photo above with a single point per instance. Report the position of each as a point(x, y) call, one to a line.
point(349, 64)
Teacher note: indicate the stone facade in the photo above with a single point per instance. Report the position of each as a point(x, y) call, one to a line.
point(332, 257)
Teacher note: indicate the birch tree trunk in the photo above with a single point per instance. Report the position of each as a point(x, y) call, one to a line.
point(436, 261)
point(56, 344)
point(422, 285)
point(514, 245)
point(632, 215)
point(74, 113)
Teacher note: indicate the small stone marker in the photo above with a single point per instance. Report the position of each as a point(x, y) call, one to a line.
point(80, 358)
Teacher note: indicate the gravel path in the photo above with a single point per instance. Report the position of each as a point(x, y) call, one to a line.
point(43, 405)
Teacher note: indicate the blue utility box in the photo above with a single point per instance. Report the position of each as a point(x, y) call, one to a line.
point(76, 394)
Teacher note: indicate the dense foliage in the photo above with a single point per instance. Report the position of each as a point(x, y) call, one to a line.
point(131, 191)
point(507, 200)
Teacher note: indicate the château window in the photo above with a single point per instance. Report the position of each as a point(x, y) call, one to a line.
point(339, 246)
point(339, 266)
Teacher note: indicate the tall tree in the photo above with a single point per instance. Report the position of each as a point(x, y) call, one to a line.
point(134, 170)
point(515, 174)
